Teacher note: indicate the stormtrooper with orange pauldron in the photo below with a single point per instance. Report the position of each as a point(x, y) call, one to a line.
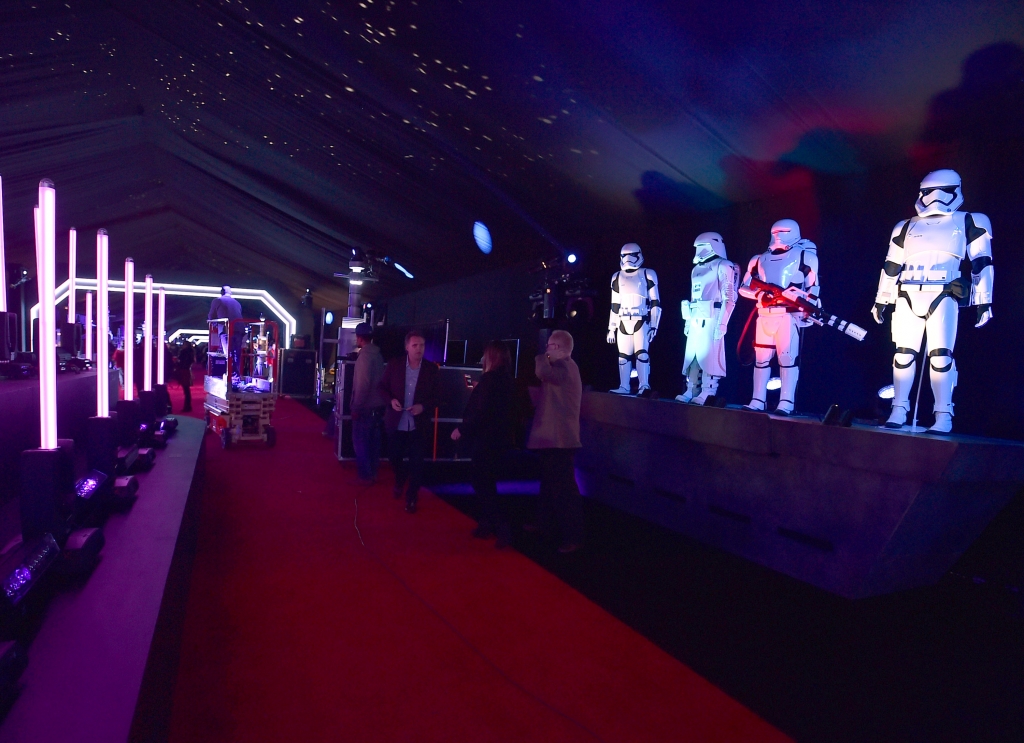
point(706, 314)
point(922, 278)
point(790, 261)
point(634, 317)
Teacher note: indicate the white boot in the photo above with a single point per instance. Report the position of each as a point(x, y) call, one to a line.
point(692, 384)
point(943, 384)
point(709, 388)
point(624, 369)
point(904, 366)
point(761, 375)
point(643, 372)
point(898, 416)
point(787, 393)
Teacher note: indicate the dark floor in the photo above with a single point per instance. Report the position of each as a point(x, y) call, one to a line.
point(944, 663)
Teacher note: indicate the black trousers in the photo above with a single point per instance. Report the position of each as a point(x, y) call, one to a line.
point(411, 445)
point(485, 484)
point(560, 506)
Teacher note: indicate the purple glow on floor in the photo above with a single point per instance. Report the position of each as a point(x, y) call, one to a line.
point(510, 487)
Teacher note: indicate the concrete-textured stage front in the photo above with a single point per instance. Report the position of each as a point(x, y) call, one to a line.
point(857, 511)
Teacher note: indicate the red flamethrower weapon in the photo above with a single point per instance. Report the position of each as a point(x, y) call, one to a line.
point(776, 296)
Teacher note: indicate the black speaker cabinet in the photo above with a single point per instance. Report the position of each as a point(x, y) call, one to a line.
point(298, 373)
point(8, 335)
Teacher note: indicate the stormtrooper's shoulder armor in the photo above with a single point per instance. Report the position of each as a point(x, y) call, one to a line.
point(978, 232)
point(650, 277)
point(615, 281)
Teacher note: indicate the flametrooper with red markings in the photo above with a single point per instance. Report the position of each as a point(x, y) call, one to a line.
point(790, 261)
point(922, 278)
point(634, 317)
point(713, 284)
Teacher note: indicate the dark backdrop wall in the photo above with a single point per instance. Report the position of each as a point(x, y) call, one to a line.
point(849, 210)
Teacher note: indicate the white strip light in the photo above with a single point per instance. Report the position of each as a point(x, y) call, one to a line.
point(129, 329)
point(72, 267)
point(189, 333)
point(3, 265)
point(147, 338)
point(193, 290)
point(161, 307)
point(46, 248)
point(88, 325)
point(102, 328)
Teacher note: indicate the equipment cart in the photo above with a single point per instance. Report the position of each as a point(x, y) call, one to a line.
point(241, 380)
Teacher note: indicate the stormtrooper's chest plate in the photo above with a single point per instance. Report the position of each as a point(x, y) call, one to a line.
point(933, 248)
point(782, 269)
point(633, 293)
point(704, 282)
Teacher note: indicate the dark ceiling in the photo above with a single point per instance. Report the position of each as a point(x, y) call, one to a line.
point(260, 142)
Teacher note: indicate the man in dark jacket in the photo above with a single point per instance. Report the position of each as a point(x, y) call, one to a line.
point(411, 385)
point(226, 306)
point(367, 405)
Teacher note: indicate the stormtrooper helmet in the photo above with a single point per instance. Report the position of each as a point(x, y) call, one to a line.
point(785, 234)
point(630, 257)
point(708, 245)
point(940, 194)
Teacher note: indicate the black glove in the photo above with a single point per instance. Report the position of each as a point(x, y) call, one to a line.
point(879, 311)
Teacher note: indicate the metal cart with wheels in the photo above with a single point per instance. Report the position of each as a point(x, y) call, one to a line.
point(241, 381)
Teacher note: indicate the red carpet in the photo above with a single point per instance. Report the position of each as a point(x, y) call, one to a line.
point(297, 631)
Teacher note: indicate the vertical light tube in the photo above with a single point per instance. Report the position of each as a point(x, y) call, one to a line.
point(72, 270)
point(102, 328)
point(147, 338)
point(129, 329)
point(88, 325)
point(3, 264)
point(161, 331)
point(46, 249)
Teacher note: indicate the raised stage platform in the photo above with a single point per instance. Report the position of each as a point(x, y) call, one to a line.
point(19, 418)
point(857, 511)
point(103, 665)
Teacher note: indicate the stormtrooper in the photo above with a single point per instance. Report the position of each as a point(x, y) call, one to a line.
point(922, 278)
point(633, 321)
point(790, 261)
point(706, 316)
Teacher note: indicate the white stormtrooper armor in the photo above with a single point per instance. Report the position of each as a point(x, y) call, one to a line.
point(789, 261)
point(922, 278)
point(713, 284)
point(633, 321)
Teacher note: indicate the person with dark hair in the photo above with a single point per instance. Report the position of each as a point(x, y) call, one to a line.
point(227, 307)
point(183, 374)
point(555, 436)
point(411, 385)
point(487, 429)
point(367, 404)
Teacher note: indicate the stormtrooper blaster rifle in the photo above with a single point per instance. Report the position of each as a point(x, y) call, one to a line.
point(776, 296)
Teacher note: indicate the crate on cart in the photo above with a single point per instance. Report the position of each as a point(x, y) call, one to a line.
point(241, 380)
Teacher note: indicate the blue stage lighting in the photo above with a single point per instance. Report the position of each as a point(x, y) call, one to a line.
point(329, 318)
point(571, 258)
point(774, 383)
point(482, 236)
point(403, 269)
point(887, 392)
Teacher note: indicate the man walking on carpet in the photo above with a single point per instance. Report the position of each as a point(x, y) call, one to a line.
point(411, 385)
